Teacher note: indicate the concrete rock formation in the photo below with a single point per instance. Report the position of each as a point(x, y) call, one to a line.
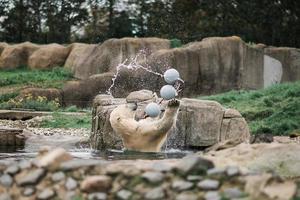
point(48, 56)
point(199, 124)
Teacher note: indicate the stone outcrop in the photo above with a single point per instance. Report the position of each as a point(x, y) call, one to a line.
point(14, 56)
point(11, 137)
point(199, 124)
point(48, 56)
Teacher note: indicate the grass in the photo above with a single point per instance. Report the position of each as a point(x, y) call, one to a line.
point(61, 120)
point(274, 110)
point(53, 78)
point(175, 43)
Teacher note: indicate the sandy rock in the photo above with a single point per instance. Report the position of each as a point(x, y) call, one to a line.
point(194, 163)
point(46, 194)
point(182, 185)
point(14, 56)
point(141, 95)
point(48, 56)
point(53, 159)
point(153, 177)
point(155, 194)
point(96, 183)
point(209, 184)
point(30, 178)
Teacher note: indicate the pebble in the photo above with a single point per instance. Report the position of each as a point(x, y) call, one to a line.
point(12, 170)
point(194, 178)
point(46, 194)
point(186, 196)
point(232, 171)
point(96, 183)
point(182, 185)
point(71, 184)
point(97, 196)
point(32, 178)
point(124, 194)
point(216, 171)
point(153, 177)
point(5, 196)
point(78, 163)
point(212, 196)
point(6, 180)
point(156, 193)
point(161, 167)
point(194, 163)
point(233, 193)
point(28, 191)
point(58, 176)
point(209, 184)
point(24, 164)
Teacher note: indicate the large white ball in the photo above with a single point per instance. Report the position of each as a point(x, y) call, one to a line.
point(171, 75)
point(168, 92)
point(152, 110)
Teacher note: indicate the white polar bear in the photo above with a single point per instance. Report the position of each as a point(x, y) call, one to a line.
point(147, 135)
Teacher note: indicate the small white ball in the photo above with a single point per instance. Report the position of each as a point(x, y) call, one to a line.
point(171, 75)
point(168, 92)
point(152, 110)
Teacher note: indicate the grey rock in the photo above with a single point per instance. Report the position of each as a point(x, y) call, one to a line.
point(216, 171)
point(232, 171)
point(233, 193)
point(46, 194)
point(186, 196)
point(124, 194)
point(97, 196)
point(25, 164)
point(6, 180)
point(194, 178)
point(58, 176)
point(156, 193)
point(12, 170)
point(32, 178)
point(209, 184)
point(75, 164)
point(212, 196)
point(153, 177)
point(5, 196)
point(194, 163)
point(71, 184)
point(182, 185)
point(70, 195)
point(28, 191)
point(161, 167)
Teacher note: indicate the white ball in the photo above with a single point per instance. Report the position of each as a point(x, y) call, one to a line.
point(168, 92)
point(171, 75)
point(152, 109)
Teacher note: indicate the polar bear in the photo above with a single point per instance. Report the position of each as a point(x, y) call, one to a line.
point(147, 135)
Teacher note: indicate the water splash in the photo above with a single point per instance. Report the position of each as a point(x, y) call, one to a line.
point(132, 64)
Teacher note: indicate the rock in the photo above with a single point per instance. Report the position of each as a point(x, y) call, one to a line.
point(79, 163)
point(216, 172)
point(182, 185)
point(28, 191)
point(97, 196)
point(99, 183)
point(232, 113)
point(12, 170)
point(14, 56)
point(54, 158)
point(2, 46)
point(5, 196)
point(233, 193)
point(162, 167)
point(261, 138)
point(6, 180)
point(156, 193)
point(211, 195)
point(30, 178)
point(199, 124)
point(70, 184)
point(24, 164)
point(11, 137)
point(58, 176)
point(186, 196)
point(194, 178)
point(124, 194)
point(141, 95)
point(48, 56)
point(153, 177)
point(209, 184)
point(46, 194)
point(232, 171)
point(194, 164)
point(51, 94)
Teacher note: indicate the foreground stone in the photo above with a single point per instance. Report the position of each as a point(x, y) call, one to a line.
point(130, 180)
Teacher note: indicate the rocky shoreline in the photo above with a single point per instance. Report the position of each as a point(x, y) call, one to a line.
point(55, 174)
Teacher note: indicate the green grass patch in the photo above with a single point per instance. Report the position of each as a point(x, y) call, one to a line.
point(53, 78)
point(61, 120)
point(7, 97)
point(175, 43)
point(274, 110)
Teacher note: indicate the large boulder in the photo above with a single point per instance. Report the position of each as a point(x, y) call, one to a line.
point(14, 56)
point(49, 56)
point(290, 60)
point(199, 123)
point(95, 59)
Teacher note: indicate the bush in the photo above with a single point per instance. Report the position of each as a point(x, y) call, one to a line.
point(175, 43)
